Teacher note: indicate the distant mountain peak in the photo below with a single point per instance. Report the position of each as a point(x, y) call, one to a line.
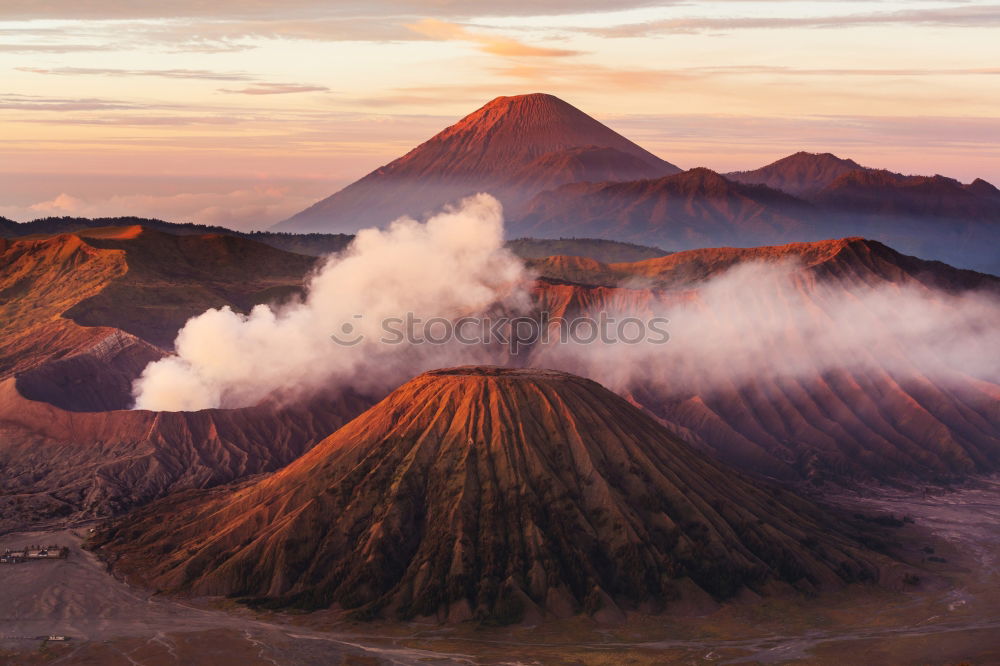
point(799, 174)
point(805, 156)
point(499, 148)
point(702, 177)
point(983, 188)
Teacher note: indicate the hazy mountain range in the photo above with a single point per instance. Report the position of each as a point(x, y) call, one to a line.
point(561, 173)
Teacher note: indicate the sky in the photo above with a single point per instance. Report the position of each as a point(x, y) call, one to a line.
point(243, 112)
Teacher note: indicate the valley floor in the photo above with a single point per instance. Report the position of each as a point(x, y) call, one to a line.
point(952, 616)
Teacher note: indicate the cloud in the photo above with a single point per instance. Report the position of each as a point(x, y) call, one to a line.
point(275, 89)
point(738, 70)
point(53, 48)
point(825, 132)
point(454, 264)
point(164, 73)
point(226, 35)
point(222, 9)
point(144, 120)
point(953, 17)
point(258, 88)
point(495, 45)
point(35, 103)
point(64, 204)
point(591, 76)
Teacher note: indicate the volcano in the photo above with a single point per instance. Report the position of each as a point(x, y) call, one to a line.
point(513, 147)
point(496, 494)
point(880, 412)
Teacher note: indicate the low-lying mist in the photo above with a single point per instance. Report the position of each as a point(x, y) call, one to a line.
point(756, 321)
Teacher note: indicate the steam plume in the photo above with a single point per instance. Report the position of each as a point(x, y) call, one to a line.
point(453, 264)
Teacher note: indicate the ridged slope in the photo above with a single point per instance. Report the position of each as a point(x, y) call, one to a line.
point(59, 464)
point(495, 494)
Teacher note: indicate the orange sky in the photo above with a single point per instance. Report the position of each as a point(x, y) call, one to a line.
point(247, 112)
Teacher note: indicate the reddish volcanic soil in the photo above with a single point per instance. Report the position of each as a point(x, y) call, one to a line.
point(513, 147)
point(81, 314)
point(496, 494)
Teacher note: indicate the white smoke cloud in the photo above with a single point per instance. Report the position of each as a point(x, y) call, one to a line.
point(764, 321)
point(453, 264)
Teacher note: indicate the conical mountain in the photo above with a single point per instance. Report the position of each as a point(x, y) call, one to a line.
point(495, 494)
point(512, 147)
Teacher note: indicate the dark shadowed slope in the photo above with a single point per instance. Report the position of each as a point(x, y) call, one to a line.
point(513, 147)
point(573, 165)
point(82, 313)
point(171, 278)
point(495, 494)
